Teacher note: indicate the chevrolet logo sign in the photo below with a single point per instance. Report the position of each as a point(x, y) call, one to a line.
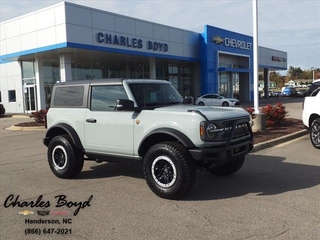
point(217, 39)
point(26, 212)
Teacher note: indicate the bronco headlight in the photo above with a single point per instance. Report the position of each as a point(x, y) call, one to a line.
point(211, 131)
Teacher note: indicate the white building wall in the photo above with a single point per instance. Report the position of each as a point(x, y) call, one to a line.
point(10, 79)
point(33, 31)
point(30, 32)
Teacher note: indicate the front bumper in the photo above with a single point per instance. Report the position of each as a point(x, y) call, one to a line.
point(233, 148)
point(221, 154)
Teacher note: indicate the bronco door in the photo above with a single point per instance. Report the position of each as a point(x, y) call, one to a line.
point(107, 130)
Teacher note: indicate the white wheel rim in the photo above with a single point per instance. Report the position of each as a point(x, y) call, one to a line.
point(164, 172)
point(59, 158)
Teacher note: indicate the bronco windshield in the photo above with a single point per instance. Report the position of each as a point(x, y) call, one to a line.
point(155, 94)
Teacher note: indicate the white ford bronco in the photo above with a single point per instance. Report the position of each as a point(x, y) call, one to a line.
point(147, 121)
point(311, 113)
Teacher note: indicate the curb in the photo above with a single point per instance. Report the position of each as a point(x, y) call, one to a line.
point(16, 128)
point(276, 141)
point(20, 116)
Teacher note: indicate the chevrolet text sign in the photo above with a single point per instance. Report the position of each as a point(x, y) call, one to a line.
point(231, 42)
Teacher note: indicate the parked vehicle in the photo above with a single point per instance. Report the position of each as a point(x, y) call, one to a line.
point(289, 92)
point(314, 86)
point(276, 94)
point(2, 110)
point(139, 120)
point(270, 93)
point(302, 93)
point(311, 113)
point(216, 100)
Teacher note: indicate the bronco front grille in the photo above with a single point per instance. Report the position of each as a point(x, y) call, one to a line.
point(241, 129)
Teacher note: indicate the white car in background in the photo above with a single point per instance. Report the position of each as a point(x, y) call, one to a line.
point(216, 100)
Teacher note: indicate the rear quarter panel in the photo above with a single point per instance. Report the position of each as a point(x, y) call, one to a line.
point(71, 116)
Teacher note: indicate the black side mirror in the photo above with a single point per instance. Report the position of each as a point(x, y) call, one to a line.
point(125, 105)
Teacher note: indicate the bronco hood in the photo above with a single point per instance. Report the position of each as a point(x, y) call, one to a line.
point(211, 113)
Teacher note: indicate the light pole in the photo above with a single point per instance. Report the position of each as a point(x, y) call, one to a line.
point(255, 57)
point(260, 120)
point(312, 75)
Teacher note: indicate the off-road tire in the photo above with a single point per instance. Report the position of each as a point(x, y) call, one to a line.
point(227, 169)
point(65, 160)
point(169, 170)
point(315, 133)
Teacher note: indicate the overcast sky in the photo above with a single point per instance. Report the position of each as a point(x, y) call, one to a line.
point(292, 26)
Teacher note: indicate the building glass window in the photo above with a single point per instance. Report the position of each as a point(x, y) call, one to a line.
point(81, 71)
point(235, 77)
point(224, 80)
point(28, 69)
point(139, 69)
point(87, 70)
point(97, 70)
point(28, 73)
point(51, 71)
point(116, 70)
point(180, 73)
point(12, 95)
point(51, 75)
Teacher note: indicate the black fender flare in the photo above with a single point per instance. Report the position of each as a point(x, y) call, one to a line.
point(66, 128)
point(181, 137)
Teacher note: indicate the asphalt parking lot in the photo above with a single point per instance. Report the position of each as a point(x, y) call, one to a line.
point(274, 196)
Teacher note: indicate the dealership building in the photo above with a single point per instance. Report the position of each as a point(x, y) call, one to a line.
point(70, 42)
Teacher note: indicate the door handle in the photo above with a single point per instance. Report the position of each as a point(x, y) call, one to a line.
point(91, 120)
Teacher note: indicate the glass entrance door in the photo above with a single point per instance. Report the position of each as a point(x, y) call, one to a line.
point(225, 84)
point(30, 97)
point(229, 84)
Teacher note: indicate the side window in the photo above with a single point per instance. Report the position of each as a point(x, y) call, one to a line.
point(315, 92)
point(208, 96)
point(68, 96)
point(313, 88)
point(104, 98)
